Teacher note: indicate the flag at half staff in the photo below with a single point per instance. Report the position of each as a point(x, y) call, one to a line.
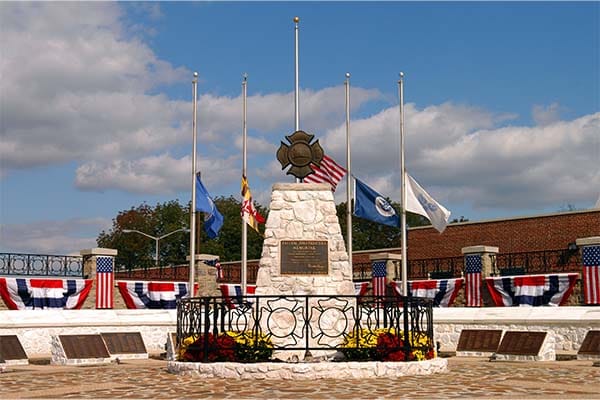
point(369, 204)
point(213, 220)
point(329, 172)
point(249, 213)
point(420, 202)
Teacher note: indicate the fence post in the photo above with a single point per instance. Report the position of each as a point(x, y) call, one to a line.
point(392, 269)
point(590, 257)
point(206, 276)
point(479, 264)
point(99, 260)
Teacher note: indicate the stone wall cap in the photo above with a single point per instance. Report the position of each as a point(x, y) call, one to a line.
point(302, 187)
point(479, 249)
point(385, 256)
point(203, 257)
point(98, 251)
point(588, 241)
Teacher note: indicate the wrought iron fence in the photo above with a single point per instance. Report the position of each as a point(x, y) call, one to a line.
point(232, 273)
point(146, 269)
point(311, 322)
point(40, 265)
point(538, 262)
point(449, 267)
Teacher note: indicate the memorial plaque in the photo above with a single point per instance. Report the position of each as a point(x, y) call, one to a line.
point(522, 343)
point(591, 344)
point(304, 257)
point(84, 346)
point(479, 340)
point(11, 349)
point(124, 343)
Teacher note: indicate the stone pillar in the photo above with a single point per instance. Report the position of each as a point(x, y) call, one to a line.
point(206, 276)
point(480, 262)
point(393, 270)
point(590, 257)
point(93, 259)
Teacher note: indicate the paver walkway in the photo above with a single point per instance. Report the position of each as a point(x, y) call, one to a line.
point(149, 379)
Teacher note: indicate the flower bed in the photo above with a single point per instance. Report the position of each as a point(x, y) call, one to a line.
point(386, 345)
point(227, 346)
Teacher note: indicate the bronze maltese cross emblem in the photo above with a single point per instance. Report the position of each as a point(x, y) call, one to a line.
point(300, 153)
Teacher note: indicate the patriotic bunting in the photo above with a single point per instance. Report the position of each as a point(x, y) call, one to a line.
point(591, 274)
point(442, 291)
point(39, 293)
point(531, 290)
point(155, 295)
point(233, 293)
point(473, 281)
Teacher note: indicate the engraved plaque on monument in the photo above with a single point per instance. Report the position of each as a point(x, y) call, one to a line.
point(591, 344)
point(124, 342)
point(11, 348)
point(522, 343)
point(84, 346)
point(479, 340)
point(304, 257)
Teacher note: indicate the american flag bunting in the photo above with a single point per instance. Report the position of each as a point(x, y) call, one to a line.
point(104, 282)
point(473, 281)
point(591, 274)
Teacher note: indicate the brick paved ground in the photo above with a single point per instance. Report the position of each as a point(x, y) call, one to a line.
point(467, 378)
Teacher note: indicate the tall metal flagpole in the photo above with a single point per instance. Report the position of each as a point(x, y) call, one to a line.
point(349, 173)
point(193, 210)
point(403, 186)
point(244, 225)
point(297, 85)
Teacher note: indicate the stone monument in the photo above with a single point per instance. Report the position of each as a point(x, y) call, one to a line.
point(304, 254)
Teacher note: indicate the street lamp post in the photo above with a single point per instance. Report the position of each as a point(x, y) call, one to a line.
point(156, 239)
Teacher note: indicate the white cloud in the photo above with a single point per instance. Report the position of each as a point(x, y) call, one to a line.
point(546, 115)
point(52, 237)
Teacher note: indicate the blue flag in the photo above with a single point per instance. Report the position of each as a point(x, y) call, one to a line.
point(369, 204)
point(213, 220)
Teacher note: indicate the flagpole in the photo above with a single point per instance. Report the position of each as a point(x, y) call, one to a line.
point(403, 187)
point(349, 173)
point(297, 84)
point(244, 277)
point(193, 206)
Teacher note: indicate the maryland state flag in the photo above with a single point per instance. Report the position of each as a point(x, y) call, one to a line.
point(249, 213)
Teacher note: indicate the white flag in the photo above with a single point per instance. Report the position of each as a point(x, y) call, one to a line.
point(420, 202)
point(597, 203)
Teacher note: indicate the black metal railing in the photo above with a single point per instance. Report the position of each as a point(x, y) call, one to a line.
point(147, 270)
point(40, 265)
point(537, 262)
point(308, 321)
point(232, 272)
point(448, 267)
point(362, 271)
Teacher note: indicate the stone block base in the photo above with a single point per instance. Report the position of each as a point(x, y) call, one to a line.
point(309, 371)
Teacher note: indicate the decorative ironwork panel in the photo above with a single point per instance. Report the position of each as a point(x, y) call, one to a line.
point(41, 265)
point(539, 262)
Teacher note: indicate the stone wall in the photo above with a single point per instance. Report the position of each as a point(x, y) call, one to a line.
point(34, 328)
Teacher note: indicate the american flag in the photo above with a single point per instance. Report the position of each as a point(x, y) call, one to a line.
point(591, 274)
point(104, 282)
point(473, 281)
point(379, 274)
point(329, 172)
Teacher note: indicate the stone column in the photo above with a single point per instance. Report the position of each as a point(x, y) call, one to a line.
point(590, 257)
point(482, 260)
point(393, 269)
point(91, 258)
point(206, 276)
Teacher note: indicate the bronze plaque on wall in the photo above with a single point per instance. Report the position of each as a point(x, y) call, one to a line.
point(479, 340)
point(124, 343)
point(84, 346)
point(522, 343)
point(304, 257)
point(591, 344)
point(11, 349)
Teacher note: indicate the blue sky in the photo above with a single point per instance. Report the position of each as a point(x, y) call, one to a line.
point(502, 104)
